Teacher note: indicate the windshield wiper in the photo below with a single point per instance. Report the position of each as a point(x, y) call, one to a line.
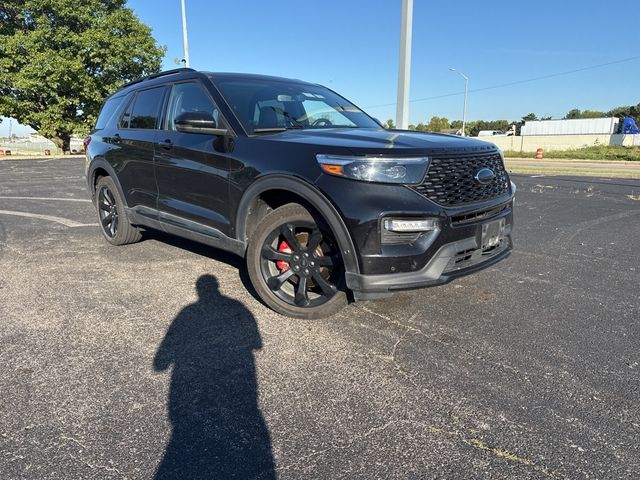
point(273, 129)
point(278, 129)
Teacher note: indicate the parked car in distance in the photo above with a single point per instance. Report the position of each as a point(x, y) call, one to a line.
point(325, 204)
point(494, 133)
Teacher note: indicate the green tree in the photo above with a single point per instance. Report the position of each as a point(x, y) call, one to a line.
point(389, 124)
point(437, 124)
point(59, 59)
point(576, 113)
point(457, 124)
point(473, 128)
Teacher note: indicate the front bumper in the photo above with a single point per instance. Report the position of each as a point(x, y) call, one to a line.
point(429, 260)
point(451, 261)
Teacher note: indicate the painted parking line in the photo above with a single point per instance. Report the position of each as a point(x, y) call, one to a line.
point(63, 221)
point(47, 199)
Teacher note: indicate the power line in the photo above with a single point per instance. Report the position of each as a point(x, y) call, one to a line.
point(517, 82)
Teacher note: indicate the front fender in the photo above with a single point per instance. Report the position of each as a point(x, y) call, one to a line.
point(315, 198)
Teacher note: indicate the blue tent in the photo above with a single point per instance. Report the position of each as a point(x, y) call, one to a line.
point(629, 126)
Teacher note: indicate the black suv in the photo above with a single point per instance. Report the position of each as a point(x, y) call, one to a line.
point(324, 203)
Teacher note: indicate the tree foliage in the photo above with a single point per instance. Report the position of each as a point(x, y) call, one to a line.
point(59, 59)
point(438, 124)
point(575, 113)
point(389, 124)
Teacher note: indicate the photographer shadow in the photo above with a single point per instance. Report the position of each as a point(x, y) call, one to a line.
point(218, 429)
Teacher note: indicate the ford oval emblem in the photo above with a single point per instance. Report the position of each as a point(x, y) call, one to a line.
point(484, 176)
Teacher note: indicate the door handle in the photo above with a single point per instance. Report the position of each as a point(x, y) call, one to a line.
point(167, 144)
point(116, 138)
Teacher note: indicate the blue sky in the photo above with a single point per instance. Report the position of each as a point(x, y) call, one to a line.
point(352, 47)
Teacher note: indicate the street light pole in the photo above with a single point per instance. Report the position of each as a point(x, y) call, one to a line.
point(404, 73)
point(466, 92)
point(185, 40)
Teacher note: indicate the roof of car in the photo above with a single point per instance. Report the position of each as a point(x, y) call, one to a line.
point(253, 76)
point(180, 73)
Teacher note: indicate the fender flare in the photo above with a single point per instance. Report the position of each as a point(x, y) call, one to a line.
point(102, 163)
point(315, 198)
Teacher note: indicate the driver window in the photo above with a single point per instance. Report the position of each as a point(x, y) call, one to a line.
point(190, 97)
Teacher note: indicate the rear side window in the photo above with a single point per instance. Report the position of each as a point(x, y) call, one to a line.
point(108, 111)
point(144, 111)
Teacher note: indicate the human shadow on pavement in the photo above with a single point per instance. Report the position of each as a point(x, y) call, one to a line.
point(218, 429)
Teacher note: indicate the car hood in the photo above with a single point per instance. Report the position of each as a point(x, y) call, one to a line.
point(381, 141)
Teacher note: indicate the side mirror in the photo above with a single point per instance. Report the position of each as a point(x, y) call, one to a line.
point(198, 122)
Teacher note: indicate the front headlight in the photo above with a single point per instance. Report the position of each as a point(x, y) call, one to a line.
point(409, 170)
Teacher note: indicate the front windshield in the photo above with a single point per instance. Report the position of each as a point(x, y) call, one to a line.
point(264, 106)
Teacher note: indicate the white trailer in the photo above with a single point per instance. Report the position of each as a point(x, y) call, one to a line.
point(580, 126)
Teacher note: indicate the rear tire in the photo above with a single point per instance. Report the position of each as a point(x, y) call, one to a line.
point(295, 264)
point(112, 217)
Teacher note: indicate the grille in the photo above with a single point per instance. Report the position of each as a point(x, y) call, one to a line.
point(450, 180)
point(477, 216)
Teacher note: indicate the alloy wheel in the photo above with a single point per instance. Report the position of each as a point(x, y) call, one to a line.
point(300, 264)
point(108, 212)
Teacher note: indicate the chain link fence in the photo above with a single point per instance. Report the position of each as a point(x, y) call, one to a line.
point(29, 146)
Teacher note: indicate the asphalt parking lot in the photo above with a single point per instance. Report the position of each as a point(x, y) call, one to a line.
point(155, 360)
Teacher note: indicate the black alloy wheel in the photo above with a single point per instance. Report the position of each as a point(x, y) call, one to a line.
point(295, 264)
point(298, 265)
point(108, 211)
point(112, 216)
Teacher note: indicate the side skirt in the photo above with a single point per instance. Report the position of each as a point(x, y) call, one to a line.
point(175, 225)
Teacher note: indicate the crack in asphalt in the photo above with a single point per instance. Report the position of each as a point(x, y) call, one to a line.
point(466, 435)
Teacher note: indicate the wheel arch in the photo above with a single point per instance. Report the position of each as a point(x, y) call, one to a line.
point(299, 191)
point(98, 168)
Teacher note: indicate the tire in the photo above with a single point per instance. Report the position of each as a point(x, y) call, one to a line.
point(112, 217)
point(295, 265)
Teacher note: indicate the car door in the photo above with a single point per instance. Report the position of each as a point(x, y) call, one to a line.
point(192, 174)
point(135, 139)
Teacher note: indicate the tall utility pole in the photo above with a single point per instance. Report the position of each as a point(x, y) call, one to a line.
point(404, 72)
point(466, 92)
point(185, 40)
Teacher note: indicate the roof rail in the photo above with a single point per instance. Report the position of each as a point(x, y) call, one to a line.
point(159, 74)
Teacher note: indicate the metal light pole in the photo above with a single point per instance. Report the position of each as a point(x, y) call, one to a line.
point(404, 73)
point(185, 40)
point(466, 92)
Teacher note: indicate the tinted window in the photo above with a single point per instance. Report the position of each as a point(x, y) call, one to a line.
point(264, 105)
point(190, 97)
point(124, 120)
point(145, 109)
point(108, 111)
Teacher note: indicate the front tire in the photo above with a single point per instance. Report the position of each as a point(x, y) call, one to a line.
point(295, 264)
point(112, 218)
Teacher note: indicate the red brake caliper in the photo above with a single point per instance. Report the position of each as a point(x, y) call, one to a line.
point(284, 248)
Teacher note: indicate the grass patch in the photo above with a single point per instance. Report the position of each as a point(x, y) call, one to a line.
point(600, 152)
point(574, 171)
